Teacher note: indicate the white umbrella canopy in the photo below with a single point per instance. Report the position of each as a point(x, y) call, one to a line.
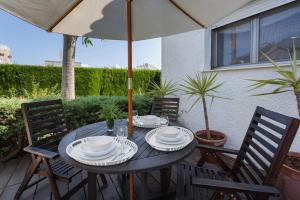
point(121, 19)
point(106, 19)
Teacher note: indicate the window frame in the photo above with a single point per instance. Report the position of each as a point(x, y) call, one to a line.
point(255, 39)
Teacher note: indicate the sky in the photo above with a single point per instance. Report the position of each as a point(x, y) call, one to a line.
point(32, 45)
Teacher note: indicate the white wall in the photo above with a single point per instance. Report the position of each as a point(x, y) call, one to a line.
point(184, 54)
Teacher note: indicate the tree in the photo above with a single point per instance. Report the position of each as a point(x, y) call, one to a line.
point(203, 86)
point(163, 89)
point(68, 72)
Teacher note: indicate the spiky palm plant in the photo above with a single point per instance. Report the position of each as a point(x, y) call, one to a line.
point(202, 86)
point(288, 79)
point(163, 89)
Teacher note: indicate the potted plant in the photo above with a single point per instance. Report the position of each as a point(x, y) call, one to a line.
point(110, 112)
point(163, 89)
point(288, 80)
point(204, 86)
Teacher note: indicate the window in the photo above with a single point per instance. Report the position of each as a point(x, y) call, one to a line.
point(269, 32)
point(234, 44)
point(276, 29)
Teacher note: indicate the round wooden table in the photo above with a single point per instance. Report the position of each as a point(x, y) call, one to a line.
point(145, 160)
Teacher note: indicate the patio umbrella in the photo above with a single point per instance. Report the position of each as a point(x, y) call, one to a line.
point(130, 20)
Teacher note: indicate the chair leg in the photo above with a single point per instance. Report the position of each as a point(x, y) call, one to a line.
point(204, 156)
point(104, 181)
point(51, 179)
point(30, 172)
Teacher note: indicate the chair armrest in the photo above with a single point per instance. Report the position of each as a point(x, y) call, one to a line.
point(41, 152)
point(221, 149)
point(235, 186)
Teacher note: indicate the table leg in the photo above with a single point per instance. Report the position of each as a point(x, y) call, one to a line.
point(204, 157)
point(92, 186)
point(144, 188)
point(165, 178)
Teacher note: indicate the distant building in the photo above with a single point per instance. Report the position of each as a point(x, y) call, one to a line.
point(146, 66)
point(59, 63)
point(5, 56)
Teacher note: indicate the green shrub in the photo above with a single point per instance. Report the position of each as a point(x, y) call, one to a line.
point(38, 92)
point(85, 110)
point(78, 112)
point(11, 126)
point(88, 81)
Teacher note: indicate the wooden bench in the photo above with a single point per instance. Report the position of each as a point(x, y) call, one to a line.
point(166, 106)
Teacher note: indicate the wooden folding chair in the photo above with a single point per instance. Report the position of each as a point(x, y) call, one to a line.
point(166, 106)
point(256, 167)
point(45, 126)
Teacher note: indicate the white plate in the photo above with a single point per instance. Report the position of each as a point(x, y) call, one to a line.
point(138, 121)
point(151, 140)
point(114, 158)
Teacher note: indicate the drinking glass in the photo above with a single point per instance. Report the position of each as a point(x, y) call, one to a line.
point(122, 134)
point(166, 118)
point(135, 113)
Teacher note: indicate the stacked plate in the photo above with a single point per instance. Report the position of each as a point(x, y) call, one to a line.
point(101, 150)
point(169, 138)
point(149, 121)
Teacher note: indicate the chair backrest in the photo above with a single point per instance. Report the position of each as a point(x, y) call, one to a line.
point(166, 106)
point(44, 121)
point(265, 146)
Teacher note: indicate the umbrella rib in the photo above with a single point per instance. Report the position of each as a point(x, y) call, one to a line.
point(64, 15)
point(187, 14)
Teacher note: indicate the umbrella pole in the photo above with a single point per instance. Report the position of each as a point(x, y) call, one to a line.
point(130, 127)
point(129, 45)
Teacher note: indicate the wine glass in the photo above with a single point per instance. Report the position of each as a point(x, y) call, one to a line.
point(135, 113)
point(166, 119)
point(122, 135)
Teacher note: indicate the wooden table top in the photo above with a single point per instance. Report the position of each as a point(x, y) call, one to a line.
point(145, 160)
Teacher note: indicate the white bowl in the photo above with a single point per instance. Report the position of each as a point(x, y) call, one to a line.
point(97, 144)
point(168, 131)
point(170, 139)
point(149, 118)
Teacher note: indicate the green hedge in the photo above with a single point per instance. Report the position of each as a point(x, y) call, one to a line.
point(78, 112)
point(85, 110)
point(89, 81)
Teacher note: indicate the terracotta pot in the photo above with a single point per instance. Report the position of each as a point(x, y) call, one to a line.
point(218, 143)
point(289, 180)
